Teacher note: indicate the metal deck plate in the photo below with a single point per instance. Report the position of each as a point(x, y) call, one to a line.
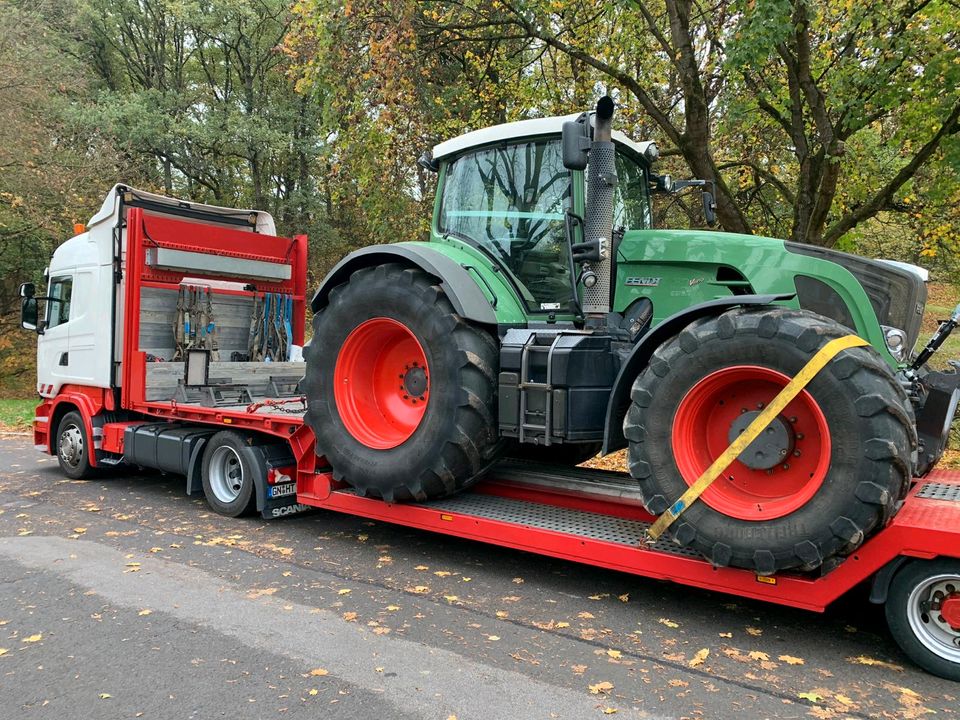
point(940, 491)
point(595, 526)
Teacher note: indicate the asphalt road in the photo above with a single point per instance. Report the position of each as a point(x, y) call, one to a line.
point(124, 598)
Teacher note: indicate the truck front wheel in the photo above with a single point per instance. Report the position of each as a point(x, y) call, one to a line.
point(73, 447)
point(400, 388)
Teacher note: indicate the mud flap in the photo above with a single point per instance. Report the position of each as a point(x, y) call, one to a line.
point(279, 498)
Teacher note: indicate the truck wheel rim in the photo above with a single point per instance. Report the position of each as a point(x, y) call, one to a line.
point(381, 383)
point(70, 446)
point(226, 474)
point(754, 487)
point(930, 621)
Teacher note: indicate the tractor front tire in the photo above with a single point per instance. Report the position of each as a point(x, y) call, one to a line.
point(401, 390)
point(830, 469)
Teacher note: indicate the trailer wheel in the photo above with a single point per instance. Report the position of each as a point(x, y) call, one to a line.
point(828, 471)
point(227, 473)
point(400, 389)
point(923, 612)
point(73, 447)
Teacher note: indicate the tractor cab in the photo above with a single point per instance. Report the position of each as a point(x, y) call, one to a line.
point(506, 191)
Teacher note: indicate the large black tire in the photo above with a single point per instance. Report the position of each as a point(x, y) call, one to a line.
point(568, 454)
point(456, 439)
point(228, 472)
point(73, 448)
point(869, 430)
point(913, 614)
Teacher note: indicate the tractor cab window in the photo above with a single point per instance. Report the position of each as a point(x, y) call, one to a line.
point(511, 200)
point(631, 200)
point(58, 303)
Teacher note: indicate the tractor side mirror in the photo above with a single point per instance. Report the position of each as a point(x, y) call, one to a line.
point(709, 207)
point(27, 290)
point(29, 315)
point(665, 184)
point(575, 141)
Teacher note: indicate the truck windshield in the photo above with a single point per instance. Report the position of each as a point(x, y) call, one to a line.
point(511, 200)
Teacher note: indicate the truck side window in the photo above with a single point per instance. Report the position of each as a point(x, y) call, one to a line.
point(58, 306)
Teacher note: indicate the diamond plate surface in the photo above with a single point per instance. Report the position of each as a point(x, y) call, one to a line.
point(595, 526)
point(940, 491)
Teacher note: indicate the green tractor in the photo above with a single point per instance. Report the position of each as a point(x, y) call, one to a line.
point(546, 319)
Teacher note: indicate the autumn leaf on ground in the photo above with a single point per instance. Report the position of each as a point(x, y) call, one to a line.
point(349, 616)
point(601, 687)
point(624, 598)
point(451, 598)
point(312, 691)
point(725, 635)
point(678, 683)
point(33, 638)
point(392, 608)
point(442, 573)
point(518, 581)
point(79, 530)
point(145, 611)
point(3, 651)
point(344, 591)
point(699, 657)
point(615, 654)
point(319, 672)
point(601, 596)
point(254, 594)
point(791, 660)
point(865, 660)
point(562, 624)
point(105, 696)
point(421, 567)
point(756, 632)
point(585, 616)
point(578, 669)
point(419, 589)
point(758, 655)
point(502, 614)
point(669, 623)
point(493, 638)
point(810, 696)
point(609, 711)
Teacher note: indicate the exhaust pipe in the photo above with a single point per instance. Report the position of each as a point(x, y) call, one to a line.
point(598, 224)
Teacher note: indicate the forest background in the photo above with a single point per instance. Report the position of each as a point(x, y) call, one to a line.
point(832, 122)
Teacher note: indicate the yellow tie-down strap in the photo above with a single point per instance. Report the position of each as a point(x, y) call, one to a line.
point(823, 356)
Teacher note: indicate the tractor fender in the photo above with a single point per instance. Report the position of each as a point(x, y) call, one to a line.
point(613, 438)
point(461, 288)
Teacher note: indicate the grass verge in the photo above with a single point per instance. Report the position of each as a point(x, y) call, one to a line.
point(17, 415)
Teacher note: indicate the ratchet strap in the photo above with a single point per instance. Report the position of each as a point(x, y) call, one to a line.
point(823, 356)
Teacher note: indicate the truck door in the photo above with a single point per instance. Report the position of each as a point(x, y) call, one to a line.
point(53, 346)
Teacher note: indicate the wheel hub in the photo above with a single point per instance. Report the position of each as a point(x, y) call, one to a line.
point(71, 445)
point(772, 446)
point(415, 381)
point(950, 610)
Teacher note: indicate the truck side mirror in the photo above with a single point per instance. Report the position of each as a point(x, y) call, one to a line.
point(29, 314)
point(27, 290)
point(709, 207)
point(575, 141)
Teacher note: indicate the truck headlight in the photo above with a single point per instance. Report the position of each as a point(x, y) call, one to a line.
point(896, 340)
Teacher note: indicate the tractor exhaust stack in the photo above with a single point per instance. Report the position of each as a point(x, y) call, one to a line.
point(598, 225)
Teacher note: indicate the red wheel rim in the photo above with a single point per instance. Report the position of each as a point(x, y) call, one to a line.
point(381, 383)
point(707, 420)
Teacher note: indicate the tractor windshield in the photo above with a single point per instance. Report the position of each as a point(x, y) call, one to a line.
point(511, 200)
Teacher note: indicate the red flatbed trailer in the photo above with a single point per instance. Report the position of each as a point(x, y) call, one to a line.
point(586, 516)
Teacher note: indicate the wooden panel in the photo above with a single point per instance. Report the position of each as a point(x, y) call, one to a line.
point(162, 377)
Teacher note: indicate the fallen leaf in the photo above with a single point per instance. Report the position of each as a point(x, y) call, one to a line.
point(393, 608)
point(624, 598)
point(379, 669)
point(563, 624)
point(344, 591)
point(756, 632)
point(381, 631)
point(609, 711)
point(349, 616)
point(466, 579)
point(3, 651)
point(866, 660)
point(725, 635)
point(253, 594)
point(669, 623)
point(33, 638)
point(844, 700)
point(144, 612)
point(493, 637)
point(598, 597)
point(450, 598)
point(616, 654)
point(421, 567)
point(419, 589)
point(442, 573)
point(811, 696)
point(578, 669)
point(757, 655)
point(80, 531)
point(699, 657)
point(156, 549)
point(600, 687)
point(319, 672)
point(105, 696)
point(791, 660)
point(362, 538)
point(312, 691)
point(518, 581)
point(678, 683)
point(585, 616)
point(502, 614)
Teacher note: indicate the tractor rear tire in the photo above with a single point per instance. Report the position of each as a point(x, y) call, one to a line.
point(401, 390)
point(829, 470)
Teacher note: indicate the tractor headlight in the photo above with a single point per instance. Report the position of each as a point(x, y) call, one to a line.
point(896, 340)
